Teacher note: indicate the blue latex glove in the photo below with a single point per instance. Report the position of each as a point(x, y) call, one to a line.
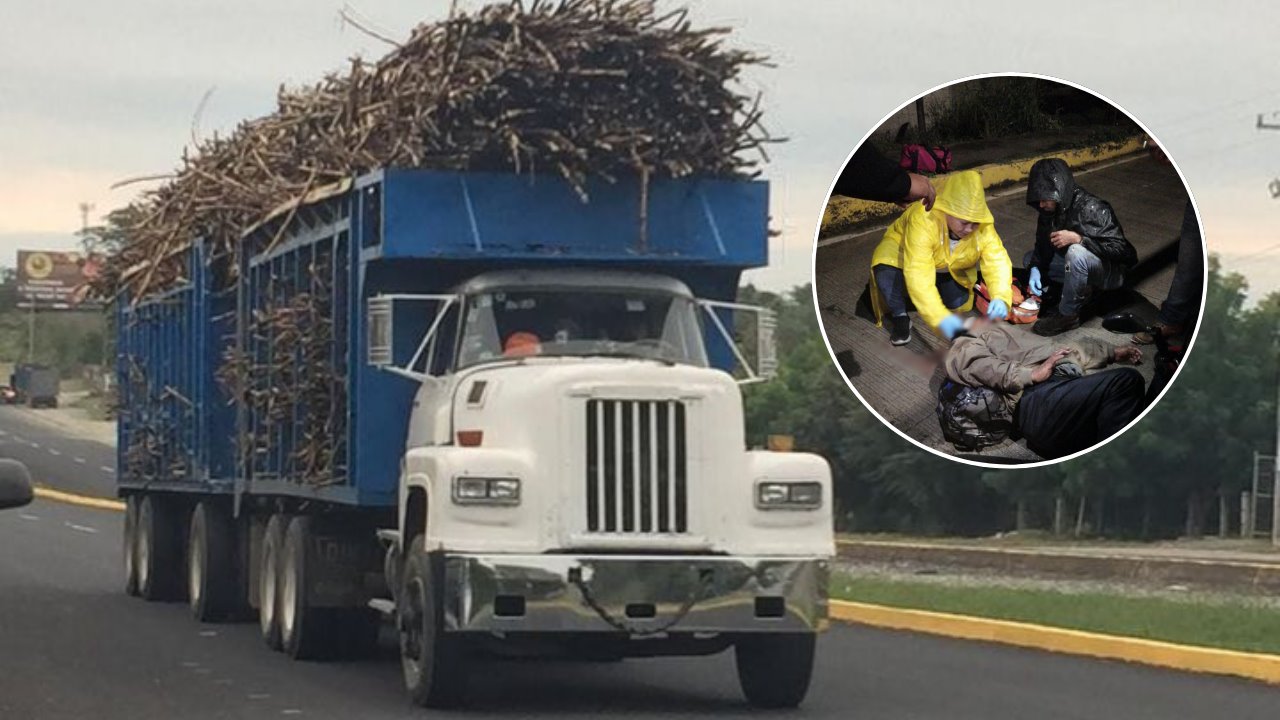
point(1035, 285)
point(950, 326)
point(997, 310)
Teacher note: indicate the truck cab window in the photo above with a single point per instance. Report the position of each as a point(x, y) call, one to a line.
point(612, 323)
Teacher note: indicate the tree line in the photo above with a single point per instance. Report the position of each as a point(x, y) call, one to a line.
point(1178, 472)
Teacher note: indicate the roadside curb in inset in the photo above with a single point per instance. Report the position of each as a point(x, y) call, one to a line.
point(1255, 666)
point(993, 175)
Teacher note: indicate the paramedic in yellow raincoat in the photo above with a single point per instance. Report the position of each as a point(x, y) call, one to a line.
point(933, 257)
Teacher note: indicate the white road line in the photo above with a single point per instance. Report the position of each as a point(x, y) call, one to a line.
point(35, 445)
point(80, 460)
point(106, 469)
point(55, 452)
point(4, 432)
point(81, 528)
point(28, 516)
point(18, 438)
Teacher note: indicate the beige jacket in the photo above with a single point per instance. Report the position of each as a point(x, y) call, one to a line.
point(1002, 357)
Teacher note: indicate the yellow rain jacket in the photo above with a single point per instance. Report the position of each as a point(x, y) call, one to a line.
point(918, 243)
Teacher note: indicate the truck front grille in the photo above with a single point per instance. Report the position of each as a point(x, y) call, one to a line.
point(637, 466)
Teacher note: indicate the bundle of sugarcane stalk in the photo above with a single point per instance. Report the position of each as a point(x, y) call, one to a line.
point(575, 88)
point(579, 89)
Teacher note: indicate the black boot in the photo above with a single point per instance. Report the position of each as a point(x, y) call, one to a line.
point(1055, 325)
point(900, 329)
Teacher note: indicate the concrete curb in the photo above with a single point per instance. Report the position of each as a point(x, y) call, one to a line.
point(1254, 666)
point(45, 493)
point(851, 211)
point(1064, 563)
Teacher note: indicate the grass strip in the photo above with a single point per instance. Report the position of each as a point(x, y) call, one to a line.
point(1245, 626)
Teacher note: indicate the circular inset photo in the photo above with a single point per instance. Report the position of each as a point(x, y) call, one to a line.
point(1009, 270)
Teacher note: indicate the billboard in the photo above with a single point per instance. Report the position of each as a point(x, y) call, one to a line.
point(54, 280)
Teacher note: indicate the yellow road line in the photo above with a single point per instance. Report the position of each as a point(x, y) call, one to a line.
point(81, 500)
point(1256, 666)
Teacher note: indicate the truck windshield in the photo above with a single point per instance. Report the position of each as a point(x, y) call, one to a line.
point(614, 323)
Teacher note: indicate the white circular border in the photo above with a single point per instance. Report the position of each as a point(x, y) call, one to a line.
point(1204, 293)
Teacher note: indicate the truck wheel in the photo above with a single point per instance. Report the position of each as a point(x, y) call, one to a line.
point(211, 566)
point(434, 663)
point(130, 549)
point(159, 550)
point(774, 670)
point(269, 581)
point(305, 631)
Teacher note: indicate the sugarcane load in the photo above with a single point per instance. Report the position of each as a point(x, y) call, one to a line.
point(452, 339)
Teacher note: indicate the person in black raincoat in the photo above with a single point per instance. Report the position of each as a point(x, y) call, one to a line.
point(1080, 246)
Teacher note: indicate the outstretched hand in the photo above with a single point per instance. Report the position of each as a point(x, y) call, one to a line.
point(922, 190)
point(1128, 354)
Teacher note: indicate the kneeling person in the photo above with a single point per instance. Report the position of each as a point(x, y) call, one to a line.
point(1080, 245)
point(1058, 408)
point(932, 256)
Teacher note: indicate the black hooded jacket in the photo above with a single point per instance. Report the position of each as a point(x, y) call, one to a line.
point(1079, 211)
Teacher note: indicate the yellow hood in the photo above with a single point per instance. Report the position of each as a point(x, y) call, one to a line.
point(962, 196)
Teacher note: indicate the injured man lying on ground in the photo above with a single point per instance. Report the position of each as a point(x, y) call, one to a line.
point(1004, 381)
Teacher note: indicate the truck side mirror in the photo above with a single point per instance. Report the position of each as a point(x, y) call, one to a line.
point(766, 365)
point(380, 324)
point(15, 484)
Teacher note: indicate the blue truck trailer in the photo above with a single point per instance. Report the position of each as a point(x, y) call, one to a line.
point(506, 418)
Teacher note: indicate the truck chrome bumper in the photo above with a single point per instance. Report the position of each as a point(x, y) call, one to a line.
point(637, 595)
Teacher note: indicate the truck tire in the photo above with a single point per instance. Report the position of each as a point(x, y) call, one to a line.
point(434, 663)
point(211, 563)
point(774, 670)
point(159, 550)
point(269, 581)
point(305, 632)
point(130, 546)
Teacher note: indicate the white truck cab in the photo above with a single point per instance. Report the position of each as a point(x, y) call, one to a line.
point(576, 479)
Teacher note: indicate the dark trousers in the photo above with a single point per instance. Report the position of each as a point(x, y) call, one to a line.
point(893, 285)
point(1183, 300)
point(1062, 416)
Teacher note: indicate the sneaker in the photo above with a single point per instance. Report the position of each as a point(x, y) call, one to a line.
point(1055, 325)
point(901, 332)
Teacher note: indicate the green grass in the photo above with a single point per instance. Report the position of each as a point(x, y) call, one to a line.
point(1245, 626)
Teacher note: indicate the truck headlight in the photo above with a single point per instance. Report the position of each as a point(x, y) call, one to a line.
point(788, 495)
point(486, 491)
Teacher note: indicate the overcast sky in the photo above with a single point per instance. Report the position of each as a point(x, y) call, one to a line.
point(94, 92)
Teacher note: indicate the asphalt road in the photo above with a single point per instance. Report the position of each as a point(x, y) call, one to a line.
point(72, 645)
point(66, 463)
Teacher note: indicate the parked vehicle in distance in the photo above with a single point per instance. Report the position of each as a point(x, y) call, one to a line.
point(36, 385)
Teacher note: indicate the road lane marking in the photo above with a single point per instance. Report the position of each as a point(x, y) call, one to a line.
point(1258, 666)
point(81, 500)
point(35, 445)
point(55, 452)
point(28, 516)
point(3, 432)
point(79, 460)
point(106, 469)
point(81, 528)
